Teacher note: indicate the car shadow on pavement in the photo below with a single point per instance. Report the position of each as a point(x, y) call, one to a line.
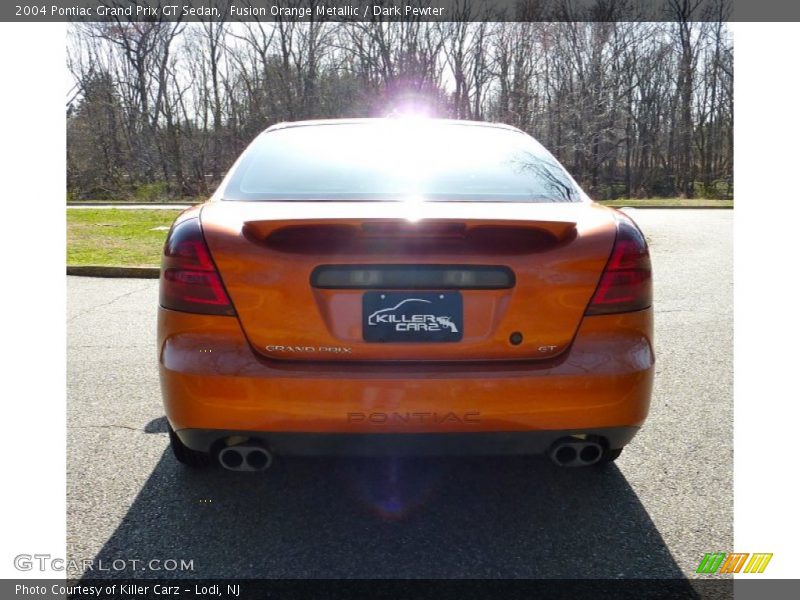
point(496, 517)
point(159, 425)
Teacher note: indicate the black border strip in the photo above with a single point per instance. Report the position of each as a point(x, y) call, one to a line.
point(415, 11)
point(417, 589)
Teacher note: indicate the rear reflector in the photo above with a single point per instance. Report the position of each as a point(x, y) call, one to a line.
point(189, 280)
point(626, 283)
point(413, 277)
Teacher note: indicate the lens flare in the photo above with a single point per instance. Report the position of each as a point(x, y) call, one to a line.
point(393, 487)
point(413, 110)
point(413, 207)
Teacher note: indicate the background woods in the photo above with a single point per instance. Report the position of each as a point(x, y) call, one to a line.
point(161, 109)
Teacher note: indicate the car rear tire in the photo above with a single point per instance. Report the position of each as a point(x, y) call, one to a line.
point(187, 456)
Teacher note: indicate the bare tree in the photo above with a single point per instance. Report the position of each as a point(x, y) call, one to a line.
point(631, 108)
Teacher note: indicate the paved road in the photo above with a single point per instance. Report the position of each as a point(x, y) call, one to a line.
point(666, 502)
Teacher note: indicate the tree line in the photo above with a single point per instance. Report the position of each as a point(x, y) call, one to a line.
point(161, 109)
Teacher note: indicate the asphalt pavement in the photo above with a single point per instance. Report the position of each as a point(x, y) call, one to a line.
point(666, 501)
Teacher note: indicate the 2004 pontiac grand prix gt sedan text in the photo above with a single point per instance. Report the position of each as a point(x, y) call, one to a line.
point(402, 286)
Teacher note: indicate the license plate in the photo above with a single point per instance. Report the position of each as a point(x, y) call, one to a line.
point(412, 316)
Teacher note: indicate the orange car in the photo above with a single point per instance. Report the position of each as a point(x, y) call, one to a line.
point(396, 286)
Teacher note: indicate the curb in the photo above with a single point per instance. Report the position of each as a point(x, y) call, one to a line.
point(122, 272)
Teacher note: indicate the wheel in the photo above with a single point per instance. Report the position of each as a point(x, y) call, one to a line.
point(187, 456)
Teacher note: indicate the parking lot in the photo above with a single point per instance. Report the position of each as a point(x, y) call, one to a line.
point(667, 500)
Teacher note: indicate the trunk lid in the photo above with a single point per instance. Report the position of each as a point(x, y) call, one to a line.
point(315, 281)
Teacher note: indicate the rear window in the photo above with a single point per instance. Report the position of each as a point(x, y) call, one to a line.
point(398, 159)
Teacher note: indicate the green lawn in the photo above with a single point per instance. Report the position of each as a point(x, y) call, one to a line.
point(117, 236)
point(668, 202)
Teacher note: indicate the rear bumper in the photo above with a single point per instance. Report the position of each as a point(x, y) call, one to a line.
point(403, 444)
point(214, 385)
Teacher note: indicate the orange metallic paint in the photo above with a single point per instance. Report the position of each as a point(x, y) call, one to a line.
point(212, 379)
point(571, 372)
point(277, 305)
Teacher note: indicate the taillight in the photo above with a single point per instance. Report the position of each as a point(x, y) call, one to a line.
point(189, 279)
point(626, 283)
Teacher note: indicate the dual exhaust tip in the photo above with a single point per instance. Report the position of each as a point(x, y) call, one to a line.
point(245, 458)
point(576, 453)
point(568, 452)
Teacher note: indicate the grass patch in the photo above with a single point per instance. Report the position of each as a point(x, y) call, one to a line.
point(669, 202)
point(117, 237)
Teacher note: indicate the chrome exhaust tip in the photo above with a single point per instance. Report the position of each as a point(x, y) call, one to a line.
point(245, 458)
point(575, 453)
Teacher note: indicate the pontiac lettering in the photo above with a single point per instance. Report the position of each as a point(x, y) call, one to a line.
point(382, 418)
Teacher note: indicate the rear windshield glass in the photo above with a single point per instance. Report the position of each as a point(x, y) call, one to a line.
point(395, 160)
